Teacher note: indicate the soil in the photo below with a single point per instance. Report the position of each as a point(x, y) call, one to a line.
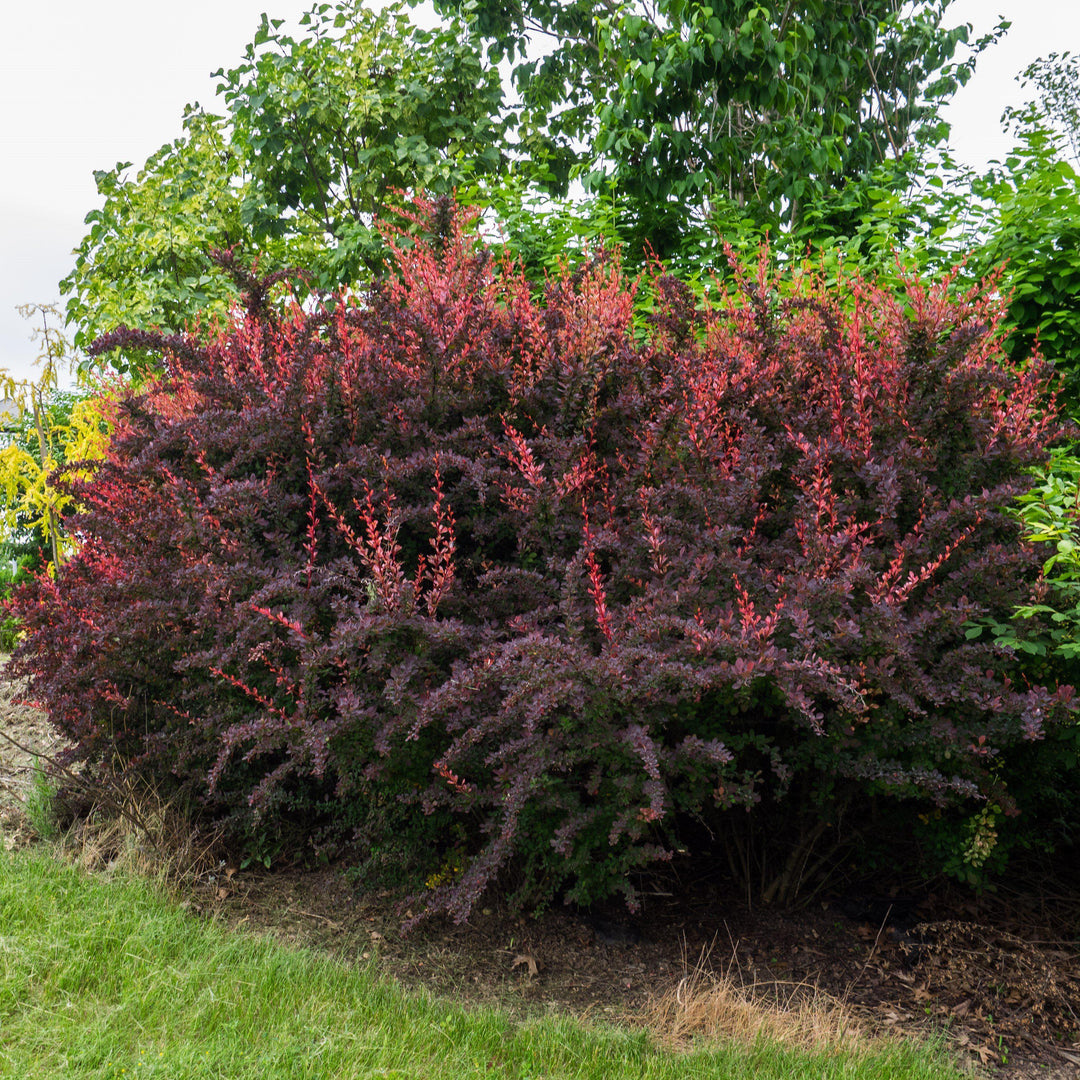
point(30, 730)
point(999, 975)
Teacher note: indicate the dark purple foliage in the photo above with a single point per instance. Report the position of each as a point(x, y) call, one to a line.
point(553, 580)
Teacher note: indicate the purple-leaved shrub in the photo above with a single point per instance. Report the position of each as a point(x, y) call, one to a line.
point(551, 584)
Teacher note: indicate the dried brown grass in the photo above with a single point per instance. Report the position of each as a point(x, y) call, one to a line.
point(114, 820)
point(709, 1005)
point(130, 827)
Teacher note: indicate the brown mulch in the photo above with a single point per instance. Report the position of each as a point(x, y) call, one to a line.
point(999, 975)
point(1006, 995)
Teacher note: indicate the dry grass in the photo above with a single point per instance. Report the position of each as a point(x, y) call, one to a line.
point(130, 827)
point(112, 822)
point(707, 1006)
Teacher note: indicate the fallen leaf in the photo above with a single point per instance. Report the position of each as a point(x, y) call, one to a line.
point(530, 960)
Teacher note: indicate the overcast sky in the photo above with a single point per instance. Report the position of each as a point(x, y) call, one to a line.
point(88, 83)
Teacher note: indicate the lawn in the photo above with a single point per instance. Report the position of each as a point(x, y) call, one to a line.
point(106, 976)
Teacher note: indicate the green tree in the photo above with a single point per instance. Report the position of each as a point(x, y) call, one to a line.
point(769, 105)
point(333, 123)
point(1057, 79)
point(1033, 234)
point(320, 130)
point(685, 122)
point(143, 260)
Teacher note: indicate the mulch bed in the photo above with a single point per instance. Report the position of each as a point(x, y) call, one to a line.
point(999, 975)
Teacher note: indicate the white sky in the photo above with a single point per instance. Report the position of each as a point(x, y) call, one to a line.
point(87, 83)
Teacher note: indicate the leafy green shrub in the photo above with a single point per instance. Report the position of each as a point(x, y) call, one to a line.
point(556, 596)
point(1034, 234)
point(1044, 634)
point(1050, 515)
point(12, 572)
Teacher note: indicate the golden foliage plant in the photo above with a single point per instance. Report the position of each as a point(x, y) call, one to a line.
point(29, 499)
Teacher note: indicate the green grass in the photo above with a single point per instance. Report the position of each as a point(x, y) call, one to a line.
point(38, 806)
point(104, 977)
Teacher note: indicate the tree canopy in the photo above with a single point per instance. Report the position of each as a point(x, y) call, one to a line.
point(319, 130)
point(680, 105)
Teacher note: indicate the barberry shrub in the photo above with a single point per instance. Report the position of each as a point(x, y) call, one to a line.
point(552, 587)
